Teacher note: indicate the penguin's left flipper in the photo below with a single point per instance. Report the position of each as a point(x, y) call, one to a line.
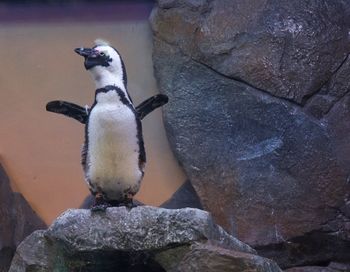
point(151, 104)
point(68, 109)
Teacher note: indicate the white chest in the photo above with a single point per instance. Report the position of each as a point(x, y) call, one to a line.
point(113, 149)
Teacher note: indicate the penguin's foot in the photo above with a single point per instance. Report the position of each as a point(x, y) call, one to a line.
point(128, 202)
point(100, 204)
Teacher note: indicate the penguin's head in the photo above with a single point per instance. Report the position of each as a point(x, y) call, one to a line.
point(102, 60)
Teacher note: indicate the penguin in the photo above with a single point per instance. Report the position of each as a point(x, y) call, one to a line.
point(113, 154)
point(81, 114)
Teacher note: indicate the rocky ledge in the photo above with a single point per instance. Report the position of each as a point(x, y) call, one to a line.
point(141, 239)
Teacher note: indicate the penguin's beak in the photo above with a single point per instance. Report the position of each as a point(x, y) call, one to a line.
point(91, 57)
point(85, 52)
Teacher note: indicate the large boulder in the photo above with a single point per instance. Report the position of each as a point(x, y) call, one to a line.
point(238, 74)
point(141, 239)
point(287, 48)
point(18, 220)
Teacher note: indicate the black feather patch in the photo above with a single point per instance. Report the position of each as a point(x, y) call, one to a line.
point(68, 109)
point(151, 104)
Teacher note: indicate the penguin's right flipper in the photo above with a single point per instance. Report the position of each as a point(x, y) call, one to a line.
point(68, 109)
point(151, 104)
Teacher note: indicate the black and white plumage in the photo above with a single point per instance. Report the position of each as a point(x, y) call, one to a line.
point(113, 155)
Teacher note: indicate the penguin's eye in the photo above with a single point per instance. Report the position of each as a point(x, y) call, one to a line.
point(102, 54)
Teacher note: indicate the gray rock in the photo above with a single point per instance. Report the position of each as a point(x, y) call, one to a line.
point(314, 248)
point(184, 197)
point(264, 168)
point(141, 228)
point(7, 221)
point(332, 267)
point(210, 258)
point(141, 239)
point(287, 48)
point(335, 90)
point(339, 266)
point(250, 157)
point(310, 269)
point(338, 123)
point(18, 220)
point(34, 253)
point(259, 118)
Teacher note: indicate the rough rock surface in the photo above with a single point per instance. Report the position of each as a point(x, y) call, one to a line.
point(287, 48)
point(259, 117)
point(332, 267)
point(18, 220)
point(141, 239)
point(211, 258)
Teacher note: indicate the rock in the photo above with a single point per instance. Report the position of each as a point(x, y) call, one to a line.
point(331, 93)
point(310, 269)
point(339, 266)
point(287, 48)
point(211, 258)
point(141, 228)
point(18, 220)
point(332, 267)
point(7, 221)
point(33, 252)
point(184, 197)
point(241, 149)
point(314, 248)
point(141, 239)
point(237, 77)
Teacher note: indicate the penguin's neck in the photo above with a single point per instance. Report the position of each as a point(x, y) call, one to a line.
point(107, 96)
point(108, 79)
point(112, 94)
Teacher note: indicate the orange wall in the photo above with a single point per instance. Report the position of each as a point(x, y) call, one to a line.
point(41, 150)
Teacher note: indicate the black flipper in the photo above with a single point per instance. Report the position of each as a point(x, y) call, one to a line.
point(81, 114)
point(68, 109)
point(151, 104)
